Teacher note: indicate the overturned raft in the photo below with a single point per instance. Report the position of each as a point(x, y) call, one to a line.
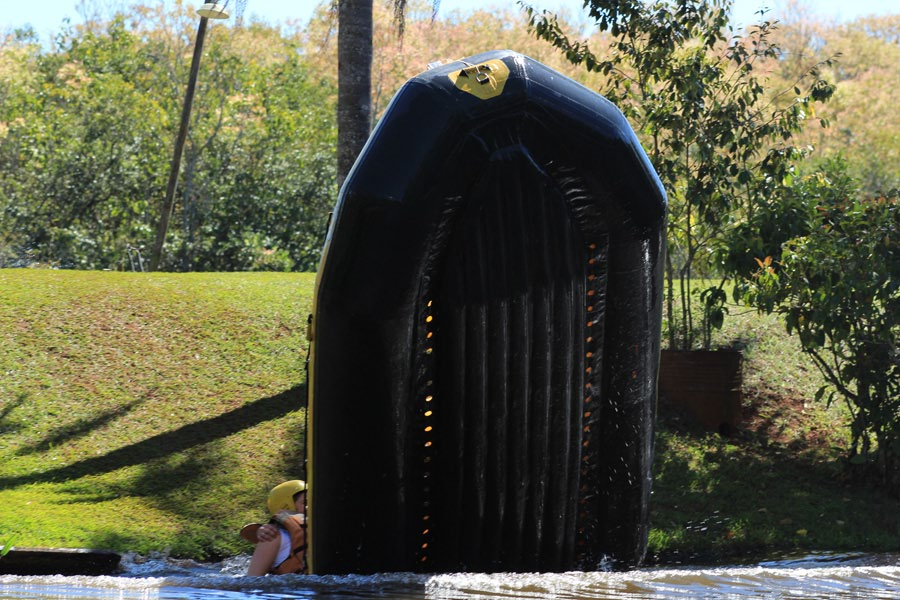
point(485, 334)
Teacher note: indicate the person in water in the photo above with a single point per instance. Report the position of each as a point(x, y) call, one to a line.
point(280, 543)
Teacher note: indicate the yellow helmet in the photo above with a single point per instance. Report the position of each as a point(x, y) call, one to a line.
point(282, 496)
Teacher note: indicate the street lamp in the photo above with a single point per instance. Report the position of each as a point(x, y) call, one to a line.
point(210, 10)
point(213, 10)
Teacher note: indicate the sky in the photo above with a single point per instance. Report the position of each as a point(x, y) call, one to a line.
point(46, 16)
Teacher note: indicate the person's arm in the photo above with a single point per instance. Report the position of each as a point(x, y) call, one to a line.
point(263, 556)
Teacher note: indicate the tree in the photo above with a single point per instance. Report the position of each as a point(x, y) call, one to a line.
point(428, 38)
point(265, 184)
point(717, 136)
point(837, 286)
point(81, 153)
point(259, 178)
point(175, 169)
point(85, 132)
point(864, 111)
point(354, 81)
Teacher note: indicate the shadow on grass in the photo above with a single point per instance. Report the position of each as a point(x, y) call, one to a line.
point(78, 430)
point(172, 442)
point(5, 423)
point(751, 495)
point(704, 497)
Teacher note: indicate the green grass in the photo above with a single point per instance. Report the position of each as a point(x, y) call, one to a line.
point(152, 412)
point(778, 485)
point(147, 412)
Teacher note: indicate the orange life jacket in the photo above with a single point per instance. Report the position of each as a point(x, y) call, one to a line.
point(295, 525)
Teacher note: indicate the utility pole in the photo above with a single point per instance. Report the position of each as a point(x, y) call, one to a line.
point(210, 10)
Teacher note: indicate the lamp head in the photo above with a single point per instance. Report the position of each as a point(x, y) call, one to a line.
point(213, 10)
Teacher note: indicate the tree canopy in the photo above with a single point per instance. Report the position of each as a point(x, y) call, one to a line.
point(87, 126)
point(86, 133)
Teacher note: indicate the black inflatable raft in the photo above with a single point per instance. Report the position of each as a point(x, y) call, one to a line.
point(485, 334)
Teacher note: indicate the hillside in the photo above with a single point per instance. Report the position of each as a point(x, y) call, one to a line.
point(152, 412)
point(147, 412)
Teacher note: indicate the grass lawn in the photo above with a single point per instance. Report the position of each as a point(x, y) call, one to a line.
point(777, 485)
point(147, 412)
point(152, 412)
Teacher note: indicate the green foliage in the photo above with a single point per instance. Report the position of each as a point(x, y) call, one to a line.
point(713, 130)
point(262, 181)
point(7, 545)
point(714, 301)
point(864, 110)
point(837, 287)
point(86, 138)
point(790, 211)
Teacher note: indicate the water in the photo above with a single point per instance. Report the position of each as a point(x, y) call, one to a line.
point(815, 576)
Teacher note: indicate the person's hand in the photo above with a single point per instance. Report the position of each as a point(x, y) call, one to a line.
point(284, 515)
point(266, 533)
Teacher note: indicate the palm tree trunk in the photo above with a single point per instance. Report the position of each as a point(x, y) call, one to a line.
point(354, 81)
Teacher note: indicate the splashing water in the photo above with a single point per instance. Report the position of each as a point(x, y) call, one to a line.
point(816, 576)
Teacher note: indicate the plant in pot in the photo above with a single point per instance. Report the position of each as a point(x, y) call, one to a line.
point(718, 137)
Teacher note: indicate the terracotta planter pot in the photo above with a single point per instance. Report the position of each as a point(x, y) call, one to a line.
point(706, 383)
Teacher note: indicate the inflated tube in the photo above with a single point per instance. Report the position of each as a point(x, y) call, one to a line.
point(485, 333)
